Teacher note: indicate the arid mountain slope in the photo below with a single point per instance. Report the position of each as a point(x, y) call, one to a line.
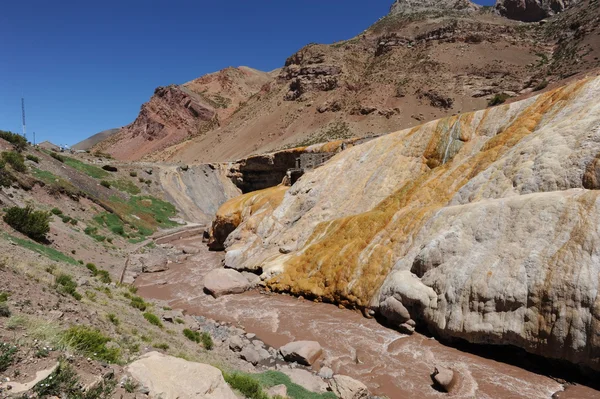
point(409, 67)
point(95, 139)
point(481, 226)
point(177, 113)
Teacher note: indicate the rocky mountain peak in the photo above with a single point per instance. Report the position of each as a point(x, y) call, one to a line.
point(410, 6)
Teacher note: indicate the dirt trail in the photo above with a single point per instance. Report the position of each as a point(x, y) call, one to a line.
point(388, 362)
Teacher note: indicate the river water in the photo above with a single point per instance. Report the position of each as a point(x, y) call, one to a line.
point(389, 363)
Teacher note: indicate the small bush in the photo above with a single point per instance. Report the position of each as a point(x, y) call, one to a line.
point(34, 224)
point(92, 268)
point(192, 335)
point(113, 319)
point(4, 310)
point(247, 385)
point(179, 321)
point(207, 341)
point(3, 297)
point(104, 276)
point(105, 183)
point(18, 141)
point(42, 353)
point(66, 285)
point(91, 343)
point(138, 302)
point(32, 158)
point(56, 211)
point(15, 160)
point(7, 355)
point(498, 99)
point(133, 174)
point(162, 346)
point(153, 319)
point(58, 157)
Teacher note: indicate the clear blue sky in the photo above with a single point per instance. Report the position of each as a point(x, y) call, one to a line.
point(85, 66)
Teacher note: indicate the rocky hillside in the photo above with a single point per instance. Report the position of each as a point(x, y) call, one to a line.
point(421, 62)
point(95, 139)
point(480, 226)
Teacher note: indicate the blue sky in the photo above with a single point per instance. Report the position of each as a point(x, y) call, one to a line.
point(84, 67)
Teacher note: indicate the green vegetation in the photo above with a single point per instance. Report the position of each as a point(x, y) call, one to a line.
point(162, 346)
point(4, 310)
point(207, 341)
point(126, 186)
point(66, 285)
point(105, 183)
point(137, 302)
point(56, 211)
point(43, 250)
point(91, 343)
point(192, 335)
point(7, 355)
point(56, 156)
point(92, 268)
point(130, 385)
point(90, 170)
point(34, 224)
point(32, 158)
point(56, 185)
point(113, 319)
point(252, 385)
point(16, 160)
point(18, 141)
point(64, 383)
point(498, 99)
point(198, 337)
point(102, 275)
point(179, 321)
point(112, 222)
point(133, 173)
point(144, 213)
point(93, 232)
point(6, 178)
point(153, 319)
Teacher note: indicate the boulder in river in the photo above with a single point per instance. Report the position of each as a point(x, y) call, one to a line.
point(303, 352)
point(170, 377)
point(443, 378)
point(224, 282)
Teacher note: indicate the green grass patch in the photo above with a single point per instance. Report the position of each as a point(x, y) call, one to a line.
point(7, 355)
point(271, 378)
point(43, 250)
point(111, 222)
point(126, 186)
point(66, 285)
point(137, 302)
point(90, 170)
point(16, 160)
point(32, 158)
point(145, 213)
point(91, 343)
point(153, 319)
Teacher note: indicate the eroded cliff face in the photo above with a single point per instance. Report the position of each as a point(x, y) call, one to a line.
point(478, 226)
point(531, 10)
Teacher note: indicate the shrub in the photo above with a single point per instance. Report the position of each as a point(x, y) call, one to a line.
point(247, 385)
point(34, 224)
point(104, 276)
point(6, 178)
point(113, 319)
point(56, 211)
point(58, 157)
point(162, 346)
point(153, 319)
point(66, 285)
point(15, 160)
point(32, 158)
point(18, 141)
point(498, 99)
point(3, 297)
point(133, 174)
point(105, 183)
point(7, 355)
point(192, 335)
point(138, 303)
point(179, 321)
point(91, 343)
point(92, 268)
point(4, 310)
point(207, 341)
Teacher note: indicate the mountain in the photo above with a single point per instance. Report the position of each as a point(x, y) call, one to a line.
point(422, 61)
point(95, 139)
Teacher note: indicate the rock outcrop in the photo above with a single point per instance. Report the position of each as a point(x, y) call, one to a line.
point(170, 377)
point(479, 225)
point(531, 10)
point(303, 352)
point(411, 6)
point(346, 387)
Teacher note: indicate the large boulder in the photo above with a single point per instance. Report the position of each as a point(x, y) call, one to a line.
point(303, 352)
point(443, 378)
point(531, 10)
point(220, 282)
point(170, 377)
point(346, 387)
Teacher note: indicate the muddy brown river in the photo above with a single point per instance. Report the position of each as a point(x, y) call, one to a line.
point(389, 363)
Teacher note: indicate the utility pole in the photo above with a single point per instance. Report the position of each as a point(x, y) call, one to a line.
point(34, 138)
point(23, 110)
